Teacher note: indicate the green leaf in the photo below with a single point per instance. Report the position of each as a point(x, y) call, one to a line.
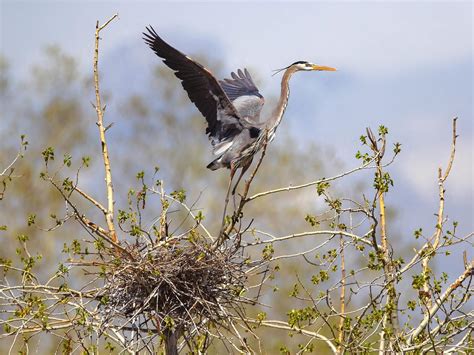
point(311, 220)
point(86, 161)
point(179, 195)
point(67, 160)
point(48, 154)
point(321, 187)
point(268, 251)
point(383, 130)
point(31, 219)
point(199, 217)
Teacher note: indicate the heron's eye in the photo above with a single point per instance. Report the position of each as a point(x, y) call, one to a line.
point(307, 65)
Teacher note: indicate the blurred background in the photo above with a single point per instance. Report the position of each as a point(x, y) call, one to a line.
point(406, 65)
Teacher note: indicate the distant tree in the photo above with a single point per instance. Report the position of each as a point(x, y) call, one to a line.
point(317, 266)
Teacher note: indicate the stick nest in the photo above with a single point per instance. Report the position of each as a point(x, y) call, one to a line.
point(180, 285)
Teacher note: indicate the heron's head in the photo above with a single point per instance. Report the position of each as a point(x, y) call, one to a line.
point(303, 65)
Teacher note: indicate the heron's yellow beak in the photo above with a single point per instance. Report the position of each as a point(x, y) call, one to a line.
point(323, 68)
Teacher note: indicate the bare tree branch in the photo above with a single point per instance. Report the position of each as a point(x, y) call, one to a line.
point(312, 183)
point(109, 216)
point(434, 242)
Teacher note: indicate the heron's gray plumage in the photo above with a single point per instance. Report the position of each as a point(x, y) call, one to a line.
point(245, 97)
point(231, 106)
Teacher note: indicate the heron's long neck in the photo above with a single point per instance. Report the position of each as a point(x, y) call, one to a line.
point(277, 114)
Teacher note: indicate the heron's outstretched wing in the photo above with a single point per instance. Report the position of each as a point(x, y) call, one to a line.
point(244, 94)
point(202, 88)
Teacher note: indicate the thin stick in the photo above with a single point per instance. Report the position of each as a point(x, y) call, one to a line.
point(273, 239)
point(390, 317)
point(91, 199)
point(109, 216)
point(434, 242)
point(93, 227)
point(232, 172)
point(284, 326)
point(342, 298)
point(453, 151)
point(312, 183)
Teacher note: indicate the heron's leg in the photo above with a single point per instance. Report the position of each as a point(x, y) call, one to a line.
point(232, 172)
point(242, 172)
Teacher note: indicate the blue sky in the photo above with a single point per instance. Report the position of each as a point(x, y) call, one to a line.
point(408, 65)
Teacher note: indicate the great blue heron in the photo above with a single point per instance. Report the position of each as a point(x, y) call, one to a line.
point(231, 106)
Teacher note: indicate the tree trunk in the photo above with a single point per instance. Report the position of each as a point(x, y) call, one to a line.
point(171, 342)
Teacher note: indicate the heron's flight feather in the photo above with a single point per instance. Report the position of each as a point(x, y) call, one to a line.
point(245, 97)
point(202, 87)
point(240, 84)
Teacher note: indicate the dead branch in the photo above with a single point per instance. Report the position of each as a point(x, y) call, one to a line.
point(109, 216)
point(434, 242)
point(342, 297)
point(284, 326)
point(312, 183)
point(7, 172)
point(390, 317)
point(90, 199)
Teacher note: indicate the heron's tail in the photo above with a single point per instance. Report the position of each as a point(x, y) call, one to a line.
point(215, 164)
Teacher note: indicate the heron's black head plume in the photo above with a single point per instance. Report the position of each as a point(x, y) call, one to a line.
point(299, 62)
point(276, 71)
